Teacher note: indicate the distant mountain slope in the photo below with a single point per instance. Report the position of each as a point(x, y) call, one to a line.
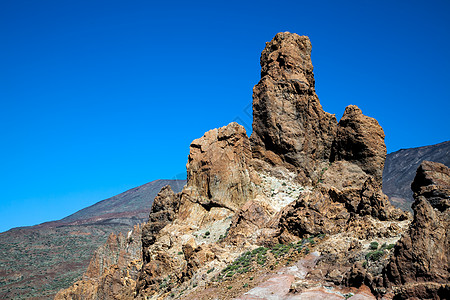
point(400, 169)
point(136, 199)
point(37, 261)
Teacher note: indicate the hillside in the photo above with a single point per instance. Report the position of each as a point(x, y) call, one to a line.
point(400, 168)
point(39, 260)
point(133, 203)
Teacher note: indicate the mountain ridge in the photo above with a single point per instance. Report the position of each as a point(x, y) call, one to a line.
point(400, 168)
point(34, 259)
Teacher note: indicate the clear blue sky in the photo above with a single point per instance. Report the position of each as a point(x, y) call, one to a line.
point(101, 96)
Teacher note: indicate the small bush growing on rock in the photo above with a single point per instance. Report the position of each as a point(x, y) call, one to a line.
point(230, 274)
point(374, 255)
point(373, 246)
point(388, 247)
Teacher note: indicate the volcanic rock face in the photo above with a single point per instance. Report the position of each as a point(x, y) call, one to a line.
point(290, 127)
point(163, 212)
point(112, 271)
point(300, 181)
point(360, 140)
point(218, 167)
point(420, 265)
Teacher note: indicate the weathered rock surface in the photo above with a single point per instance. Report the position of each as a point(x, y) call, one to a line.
point(420, 265)
point(346, 192)
point(290, 127)
point(360, 140)
point(156, 262)
point(163, 211)
point(302, 183)
point(218, 168)
point(432, 181)
point(112, 271)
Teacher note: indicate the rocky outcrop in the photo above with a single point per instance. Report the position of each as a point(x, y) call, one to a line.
point(163, 211)
point(290, 127)
point(112, 271)
point(360, 140)
point(432, 181)
point(420, 265)
point(157, 263)
point(218, 168)
point(344, 193)
point(301, 182)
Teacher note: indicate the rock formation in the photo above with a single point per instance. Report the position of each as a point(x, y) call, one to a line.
point(420, 265)
point(298, 206)
point(218, 167)
point(112, 271)
point(360, 140)
point(163, 211)
point(290, 127)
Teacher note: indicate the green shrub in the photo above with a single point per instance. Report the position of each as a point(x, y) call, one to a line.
point(388, 247)
point(245, 285)
point(373, 246)
point(230, 274)
point(374, 255)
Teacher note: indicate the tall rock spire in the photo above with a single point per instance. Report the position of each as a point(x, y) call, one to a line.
point(289, 125)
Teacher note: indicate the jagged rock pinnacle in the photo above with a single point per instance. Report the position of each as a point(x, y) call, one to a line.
point(290, 127)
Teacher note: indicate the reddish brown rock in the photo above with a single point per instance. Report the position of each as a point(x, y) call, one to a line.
point(247, 221)
point(112, 272)
point(218, 172)
point(314, 213)
point(290, 127)
point(360, 140)
point(156, 262)
point(420, 265)
point(345, 193)
point(432, 182)
point(164, 208)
